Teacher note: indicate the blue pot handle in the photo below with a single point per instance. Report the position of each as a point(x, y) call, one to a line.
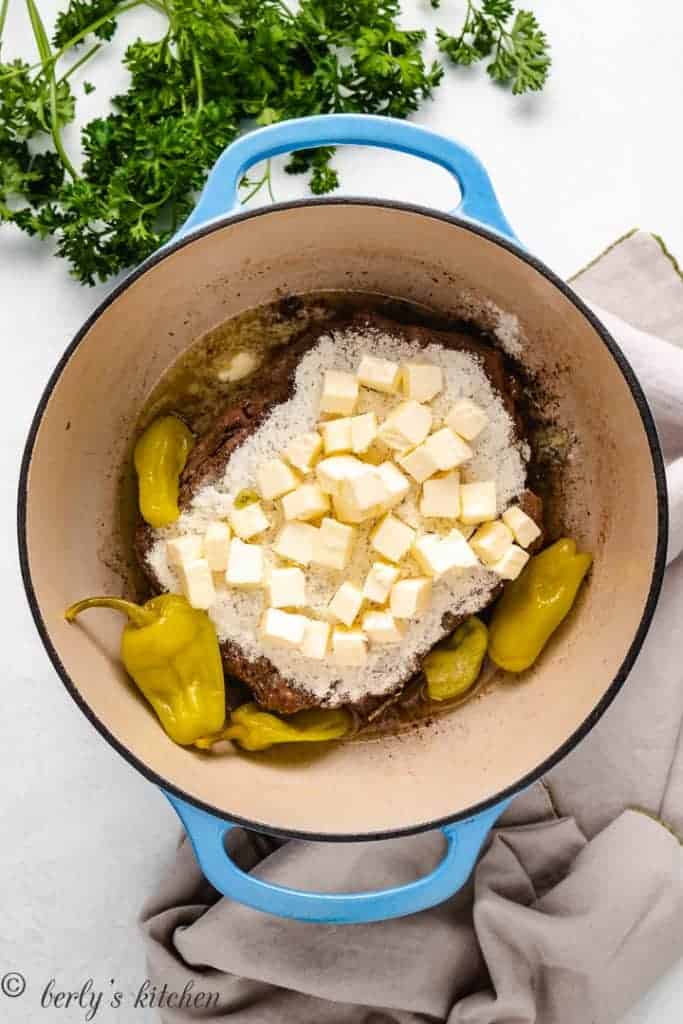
point(221, 191)
point(464, 841)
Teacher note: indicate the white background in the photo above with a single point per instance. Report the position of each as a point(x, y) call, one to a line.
point(84, 838)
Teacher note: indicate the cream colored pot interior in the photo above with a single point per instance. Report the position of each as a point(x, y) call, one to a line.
point(465, 757)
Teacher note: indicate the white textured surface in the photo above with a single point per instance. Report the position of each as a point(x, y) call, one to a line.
point(597, 153)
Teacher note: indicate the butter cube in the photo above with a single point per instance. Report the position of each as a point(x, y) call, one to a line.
point(420, 463)
point(240, 366)
point(337, 435)
point(410, 597)
point(346, 603)
point(333, 544)
point(447, 449)
point(316, 639)
point(459, 551)
point(491, 541)
point(392, 539)
point(379, 581)
point(303, 451)
point(296, 542)
point(283, 628)
point(425, 551)
point(287, 588)
point(197, 583)
point(333, 471)
point(407, 426)
point(523, 527)
point(217, 546)
point(346, 512)
point(466, 531)
point(245, 564)
point(421, 381)
point(340, 393)
point(366, 491)
point(441, 496)
point(307, 502)
point(379, 374)
point(349, 647)
point(363, 432)
point(467, 419)
point(438, 555)
point(395, 482)
point(247, 522)
point(276, 478)
point(512, 562)
point(382, 628)
point(182, 550)
point(409, 513)
point(478, 502)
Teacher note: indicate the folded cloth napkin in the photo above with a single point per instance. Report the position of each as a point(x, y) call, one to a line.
point(576, 905)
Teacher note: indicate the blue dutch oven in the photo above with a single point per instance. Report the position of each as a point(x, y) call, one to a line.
point(459, 773)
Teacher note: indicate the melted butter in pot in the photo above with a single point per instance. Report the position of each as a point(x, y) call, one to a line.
point(220, 367)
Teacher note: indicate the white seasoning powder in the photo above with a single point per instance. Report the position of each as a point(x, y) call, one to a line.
point(507, 331)
point(236, 614)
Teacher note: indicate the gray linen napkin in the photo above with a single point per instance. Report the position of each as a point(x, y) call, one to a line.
point(576, 905)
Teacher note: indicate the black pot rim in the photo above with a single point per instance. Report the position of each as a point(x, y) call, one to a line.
point(657, 571)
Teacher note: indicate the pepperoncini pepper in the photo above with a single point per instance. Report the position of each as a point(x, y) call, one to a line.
point(170, 649)
point(255, 729)
point(533, 606)
point(453, 667)
point(160, 456)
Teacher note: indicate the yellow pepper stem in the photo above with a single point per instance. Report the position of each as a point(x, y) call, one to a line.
point(137, 615)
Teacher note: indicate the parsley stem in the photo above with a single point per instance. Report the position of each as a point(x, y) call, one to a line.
point(148, 207)
point(265, 179)
point(469, 18)
point(44, 51)
point(58, 54)
point(4, 7)
point(269, 182)
point(79, 63)
point(114, 13)
point(199, 81)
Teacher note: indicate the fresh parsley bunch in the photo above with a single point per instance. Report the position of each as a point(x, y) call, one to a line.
point(220, 67)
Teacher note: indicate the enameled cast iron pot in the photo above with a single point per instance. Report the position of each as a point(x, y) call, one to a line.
point(460, 773)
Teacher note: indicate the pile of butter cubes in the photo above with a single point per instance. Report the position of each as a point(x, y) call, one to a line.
point(327, 483)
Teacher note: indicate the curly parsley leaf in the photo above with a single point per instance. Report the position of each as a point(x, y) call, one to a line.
point(323, 178)
point(520, 52)
point(80, 16)
point(521, 57)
